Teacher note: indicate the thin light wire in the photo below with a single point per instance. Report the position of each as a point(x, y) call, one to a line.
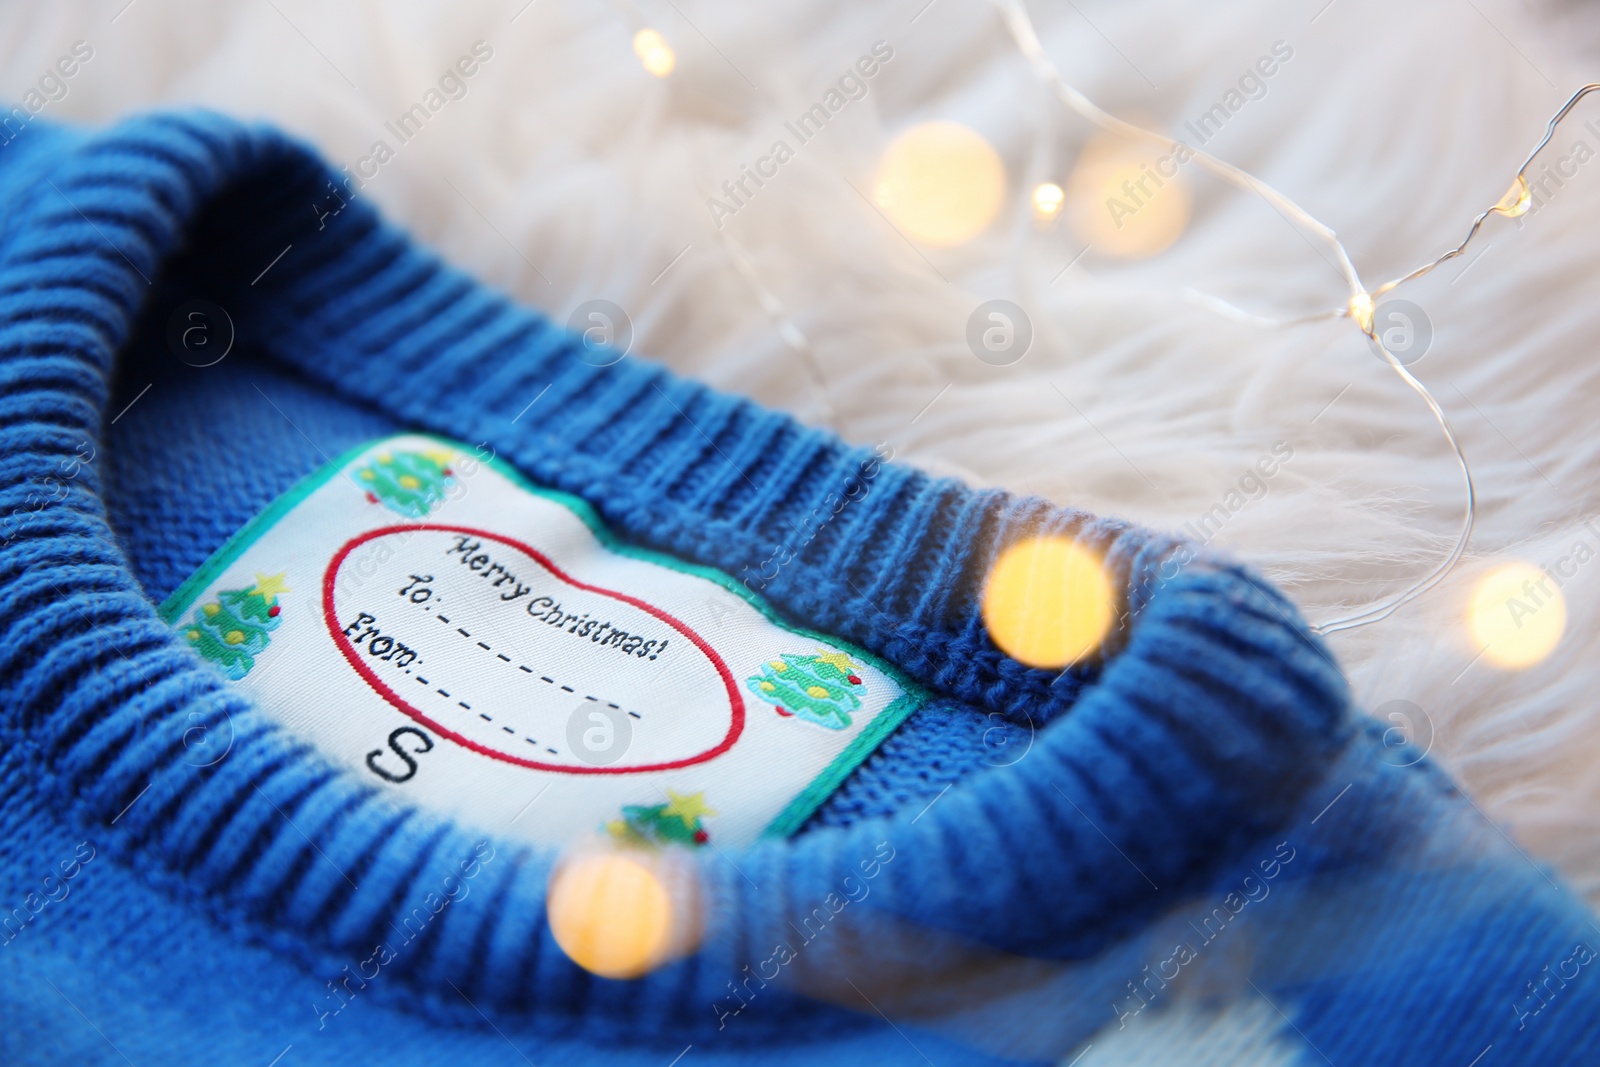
point(1237, 314)
point(1027, 41)
point(1513, 204)
point(788, 330)
point(1361, 303)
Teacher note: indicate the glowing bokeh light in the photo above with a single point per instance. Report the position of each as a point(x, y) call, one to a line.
point(611, 913)
point(654, 52)
point(1127, 200)
point(1047, 200)
point(940, 183)
point(1048, 602)
point(1517, 615)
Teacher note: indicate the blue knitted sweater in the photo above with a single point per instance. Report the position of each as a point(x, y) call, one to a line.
point(1195, 849)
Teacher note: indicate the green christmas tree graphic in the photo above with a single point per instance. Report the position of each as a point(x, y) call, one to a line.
point(822, 689)
point(411, 483)
point(233, 629)
point(676, 822)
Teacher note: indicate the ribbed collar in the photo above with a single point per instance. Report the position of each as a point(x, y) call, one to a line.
point(1196, 733)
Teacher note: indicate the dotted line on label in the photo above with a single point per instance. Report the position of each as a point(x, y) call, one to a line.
point(529, 670)
point(525, 669)
point(487, 718)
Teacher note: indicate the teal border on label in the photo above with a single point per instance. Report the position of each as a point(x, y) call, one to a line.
point(798, 810)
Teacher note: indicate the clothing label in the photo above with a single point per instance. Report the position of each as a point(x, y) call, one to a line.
point(486, 649)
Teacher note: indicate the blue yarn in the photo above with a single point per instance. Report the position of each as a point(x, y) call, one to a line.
point(1052, 839)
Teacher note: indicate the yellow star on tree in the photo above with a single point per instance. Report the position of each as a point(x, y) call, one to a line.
point(269, 586)
point(688, 807)
point(442, 456)
point(838, 660)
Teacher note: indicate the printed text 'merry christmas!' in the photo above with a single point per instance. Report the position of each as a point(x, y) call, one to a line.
point(469, 553)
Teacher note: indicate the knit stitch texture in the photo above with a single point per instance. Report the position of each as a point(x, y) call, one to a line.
point(236, 872)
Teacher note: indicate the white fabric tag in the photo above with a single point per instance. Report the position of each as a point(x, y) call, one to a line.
point(484, 648)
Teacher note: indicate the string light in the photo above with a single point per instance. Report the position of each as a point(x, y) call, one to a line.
point(937, 207)
point(1048, 602)
point(1361, 310)
point(1517, 200)
point(1361, 302)
point(1127, 201)
point(1047, 200)
point(622, 913)
point(1517, 615)
point(1514, 204)
point(654, 52)
point(941, 183)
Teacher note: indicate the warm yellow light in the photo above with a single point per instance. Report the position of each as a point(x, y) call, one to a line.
point(1361, 309)
point(1048, 602)
point(1128, 200)
point(647, 40)
point(1047, 198)
point(1517, 200)
point(941, 183)
point(1517, 615)
point(611, 914)
point(654, 52)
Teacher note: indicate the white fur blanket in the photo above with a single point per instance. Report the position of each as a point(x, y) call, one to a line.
point(562, 172)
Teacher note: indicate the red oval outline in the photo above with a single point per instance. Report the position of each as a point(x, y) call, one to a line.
point(736, 701)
